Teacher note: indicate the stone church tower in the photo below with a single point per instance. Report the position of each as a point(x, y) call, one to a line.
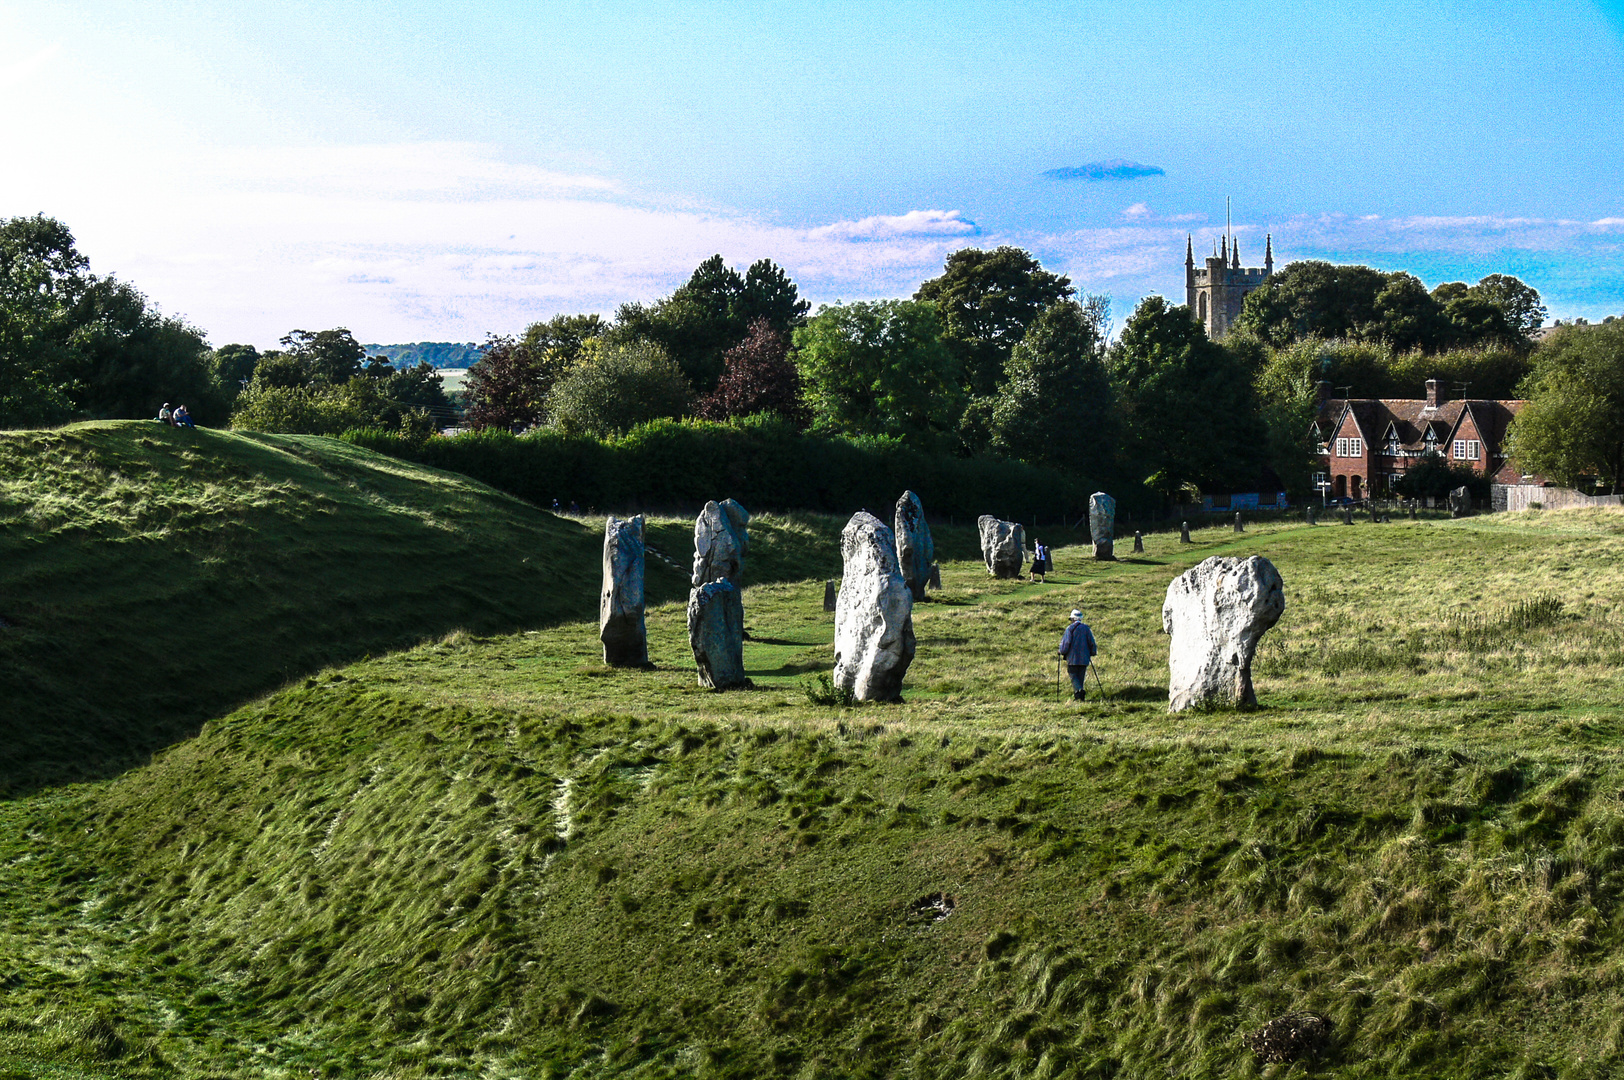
point(1215, 293)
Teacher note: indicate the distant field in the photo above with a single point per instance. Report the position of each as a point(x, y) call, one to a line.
point(487, 854)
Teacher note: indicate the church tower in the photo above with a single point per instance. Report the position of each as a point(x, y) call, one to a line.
point(1215, 292)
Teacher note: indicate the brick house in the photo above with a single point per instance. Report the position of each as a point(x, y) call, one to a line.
point(1368, 443)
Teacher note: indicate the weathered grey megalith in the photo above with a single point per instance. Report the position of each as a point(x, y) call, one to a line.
point(1102, 524)
point(621, 627)
point(829, 595)
point(716, 632)
point(1138, 542)
point(915, 550)
point(1460, 502)
point(721, 540)
point(1003, 546)
point(874, 636)
point(1216, 612)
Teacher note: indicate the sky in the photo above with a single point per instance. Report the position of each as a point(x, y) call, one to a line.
point(442, 171)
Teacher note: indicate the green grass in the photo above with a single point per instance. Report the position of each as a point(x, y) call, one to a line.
point(488, 855)
point(153, 577)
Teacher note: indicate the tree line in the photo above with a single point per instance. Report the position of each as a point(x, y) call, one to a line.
point(995, 357)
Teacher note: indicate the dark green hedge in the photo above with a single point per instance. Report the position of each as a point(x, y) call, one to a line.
point(677, 465)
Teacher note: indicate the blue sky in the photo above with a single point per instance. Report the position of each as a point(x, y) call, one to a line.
point(438, 171)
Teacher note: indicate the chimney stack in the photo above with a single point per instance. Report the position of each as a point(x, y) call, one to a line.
point(1433, 400)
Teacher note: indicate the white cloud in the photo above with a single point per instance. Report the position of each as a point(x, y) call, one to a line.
point(1137, 210)
point(913, 223)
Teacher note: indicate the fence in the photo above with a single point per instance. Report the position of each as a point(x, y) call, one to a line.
point(1535, 496)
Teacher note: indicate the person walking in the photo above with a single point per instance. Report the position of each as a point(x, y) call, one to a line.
point(1040, 559)
point(1077, 647)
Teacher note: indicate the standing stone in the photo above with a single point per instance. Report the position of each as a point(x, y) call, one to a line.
point(829, 595)
point(935, 577)
point(915, 550)
point(1003, 546)
point(1102, 524)
point(1460, 502)
point(1310, 513)
point(1347, 515)
point(1138, 542)
point(1215, 613)
point(721, 540)
point(1239, 525)
point(1375, 516)
point(1414, 516)
point(716, 633)
point(1184, 532)
point(874, 635)
point(621, 626)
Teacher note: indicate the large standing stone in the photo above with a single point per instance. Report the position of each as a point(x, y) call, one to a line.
point(721, 540)
point(874, 636)
point(1102, 524)
point(621, 627)
point(1184, 532)
point(915, 550)
point(935, 581)
point(1310, 515)
point(1460, 502)
point(1240, 526)
point(1216, 612)
point(829, 595)
point(1003, 546)
point(1138, 542)
point(716, 632)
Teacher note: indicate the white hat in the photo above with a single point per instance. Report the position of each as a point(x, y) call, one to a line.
point(1076, 614)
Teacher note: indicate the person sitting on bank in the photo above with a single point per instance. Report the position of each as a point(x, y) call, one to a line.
point(165, 416)
point(1040, 559)
point(1077, 647)
point(183, 418)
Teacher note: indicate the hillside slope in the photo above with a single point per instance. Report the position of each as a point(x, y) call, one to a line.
point(152, 577)
point(492, 856)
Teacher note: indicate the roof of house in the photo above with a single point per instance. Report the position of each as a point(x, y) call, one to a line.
point(1410, 419)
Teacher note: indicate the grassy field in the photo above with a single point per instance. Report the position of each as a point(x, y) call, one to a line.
point(488, 855)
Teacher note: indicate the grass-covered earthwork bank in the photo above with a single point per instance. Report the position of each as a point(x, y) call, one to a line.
point(488, 855)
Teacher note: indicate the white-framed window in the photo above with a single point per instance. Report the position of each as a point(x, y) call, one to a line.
point(1468, 449)
point(1342, 448)
point(1356, 448)
point(1321, 479)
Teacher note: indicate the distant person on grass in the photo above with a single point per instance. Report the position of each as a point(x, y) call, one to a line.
point(165, 416)
point(183, 418)
point(1040, 559)
point(1076, 648)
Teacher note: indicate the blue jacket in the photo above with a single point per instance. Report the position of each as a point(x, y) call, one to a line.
point(1077, 645)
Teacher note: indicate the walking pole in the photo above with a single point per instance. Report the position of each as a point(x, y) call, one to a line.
point(1057, 678)
point(1103, 694)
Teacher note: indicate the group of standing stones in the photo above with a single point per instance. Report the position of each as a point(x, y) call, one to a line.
point(1215, 613)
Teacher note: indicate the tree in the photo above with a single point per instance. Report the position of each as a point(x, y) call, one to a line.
point(330, 356)
point(1312, 299)
point(72, 343)
point(1432, 476)
point(1187, 408)
point(758, 377)
point(505, 388)
point(1572, 426)
point(1519, 303)
point(1405, 316)
point(234, 365)
point(1056, 406)
point(986, 301)
point(711, 313)
point(562, 336)
point(615, 386)
point(880, 368)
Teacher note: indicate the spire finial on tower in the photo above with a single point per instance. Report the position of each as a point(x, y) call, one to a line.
point(1268, 253)
point(1235, 252)
point(1223, 247)
point(1189, 249)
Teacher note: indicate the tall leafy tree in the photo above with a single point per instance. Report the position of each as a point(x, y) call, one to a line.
point(1056, 406)
point(72, 343)
point(1187, 408)
point(1519, 303)
point(1313, 299)
point(758, 377)
point(505, 388)
point(880, 368)
point(987, 300)
point(562, 336)
point(1573, 424)
point(711, 313)
point(329, 356)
